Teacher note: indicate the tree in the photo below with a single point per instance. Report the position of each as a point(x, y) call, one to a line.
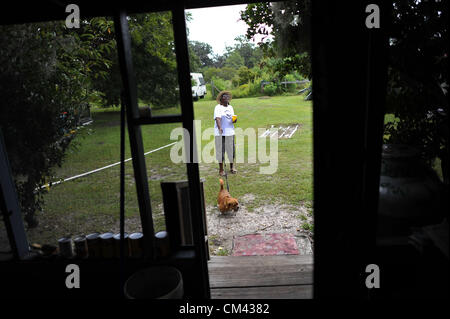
point(154, 62)
point(417, 91)
point(209, 73)
point(154, 58)
point(104, 78)
point(248, 51)
point(289, 23)
point(45, 78)
point(204, 52)
point(234, 60)
point(227, 73)
point(194, 60)
point(218, 60)
point(245, 75)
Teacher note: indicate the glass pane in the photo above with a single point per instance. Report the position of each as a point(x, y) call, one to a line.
point(273, 132)
point(414, 168)
point(61, 124)
point(154, 61)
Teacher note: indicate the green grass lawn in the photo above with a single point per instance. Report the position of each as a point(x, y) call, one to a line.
point(91, 203)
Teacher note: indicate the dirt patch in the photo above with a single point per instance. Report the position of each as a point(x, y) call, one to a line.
point(248, 198)
point(157, 177)
point(271, 218)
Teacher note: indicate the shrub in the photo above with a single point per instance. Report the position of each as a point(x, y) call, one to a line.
point(270, 89)
point(291, 87)
point(245, 75)
point(222, 84)
point(255, 87)
point(235, 81)
point(209, 73)
point(241, 91)
point(227, 73)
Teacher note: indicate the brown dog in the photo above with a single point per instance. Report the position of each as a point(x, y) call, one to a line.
point(225, 201)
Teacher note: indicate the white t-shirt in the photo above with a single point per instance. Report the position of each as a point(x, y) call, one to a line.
point(225, 113)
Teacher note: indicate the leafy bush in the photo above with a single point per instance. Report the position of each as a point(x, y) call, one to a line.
point(222, 84)
point(241, 91)
point(255, 87)
point(245, 75)
point(210, 73)
point(235, 81)
point(227, 73)
point(291, 87)
point(271, 89)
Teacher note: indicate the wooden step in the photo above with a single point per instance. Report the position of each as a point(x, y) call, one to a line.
point(259, 277)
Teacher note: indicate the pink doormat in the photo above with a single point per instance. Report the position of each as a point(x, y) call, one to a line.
point(265, 245)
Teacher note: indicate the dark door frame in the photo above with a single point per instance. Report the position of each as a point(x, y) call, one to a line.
point(347, 131)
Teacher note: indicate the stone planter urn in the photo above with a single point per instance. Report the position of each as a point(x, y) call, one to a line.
point(410, 193)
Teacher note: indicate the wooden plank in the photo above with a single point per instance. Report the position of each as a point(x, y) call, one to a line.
point(260, 271)
point(277, 292)
point(246, 277)
point(243, 261)
point(250, 279)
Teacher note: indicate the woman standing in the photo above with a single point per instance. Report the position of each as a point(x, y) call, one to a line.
point(224, 131)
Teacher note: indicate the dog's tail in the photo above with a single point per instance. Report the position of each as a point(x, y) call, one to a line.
point(221, 184)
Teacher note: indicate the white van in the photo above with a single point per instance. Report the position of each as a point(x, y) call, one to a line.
point(198, 86)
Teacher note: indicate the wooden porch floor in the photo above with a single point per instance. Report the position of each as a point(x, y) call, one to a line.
point(261, 277)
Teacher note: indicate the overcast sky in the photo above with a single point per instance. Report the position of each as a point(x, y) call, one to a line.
point(217, 26)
